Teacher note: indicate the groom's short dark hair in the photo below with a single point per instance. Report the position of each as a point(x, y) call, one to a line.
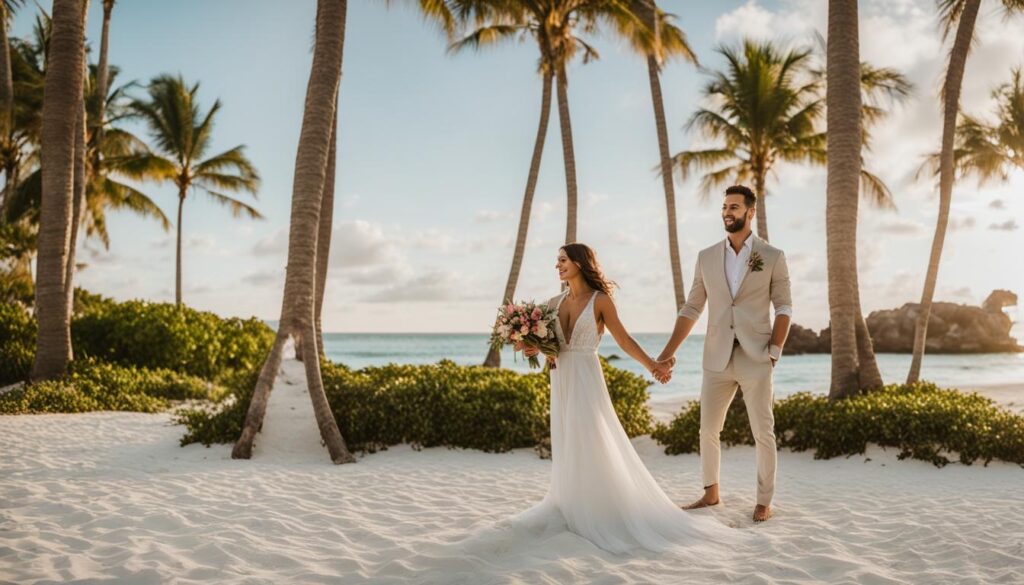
point(748, 196)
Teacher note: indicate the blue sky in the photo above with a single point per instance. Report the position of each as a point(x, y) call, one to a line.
point(434, 150)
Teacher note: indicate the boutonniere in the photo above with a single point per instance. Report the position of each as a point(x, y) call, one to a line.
point(756, 263)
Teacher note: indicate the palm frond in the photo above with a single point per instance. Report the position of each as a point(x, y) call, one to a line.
point(237, 208)
point(875, 191)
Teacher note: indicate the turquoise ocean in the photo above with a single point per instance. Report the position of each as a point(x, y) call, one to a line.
point(793, 374)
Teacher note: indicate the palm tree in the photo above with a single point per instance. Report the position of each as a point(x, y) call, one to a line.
point(104, 189)
point(658, 40)
point(323, 238)
point(182, 137)
point(961, 14)
point(844, 168)
point(768, 107)
point(102, 70)
point(554, 27)
point(113, 154)
point(991, 151)
point(61, 106)
point(7, 8)
point(311, 168)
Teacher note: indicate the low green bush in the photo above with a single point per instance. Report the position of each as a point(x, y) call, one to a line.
point(222, 420)
point(17, 343)
point(441, 404)
point(163, 335)
point(921, 420)
point(90, 386)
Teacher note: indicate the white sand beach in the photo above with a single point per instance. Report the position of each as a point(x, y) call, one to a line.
point(111, 497)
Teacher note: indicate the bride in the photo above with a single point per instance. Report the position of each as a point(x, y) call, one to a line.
point(599, 487)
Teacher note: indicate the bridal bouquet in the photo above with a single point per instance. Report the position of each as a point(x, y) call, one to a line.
point(528, 323)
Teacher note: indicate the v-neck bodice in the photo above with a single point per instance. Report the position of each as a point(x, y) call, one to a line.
point(584, 335)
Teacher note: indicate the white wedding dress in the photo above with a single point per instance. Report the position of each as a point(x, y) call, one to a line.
point(600, 489)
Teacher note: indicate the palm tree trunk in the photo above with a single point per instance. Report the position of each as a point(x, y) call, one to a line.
point(61, 104)
point(6, 78)
point(323, 239)
point(951, 106)
point(568, 154)
point(6, 106)
point(258, 405)
point(78, 210)
point(762, 199)
point(177, 256)
point(653, 72)
point(844, 145)
point(102, 75)
point(869, 376)
point(493, 359)
point(297, 311)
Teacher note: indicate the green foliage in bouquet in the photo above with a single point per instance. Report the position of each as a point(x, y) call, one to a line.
point(94, 386)
point(921, 420)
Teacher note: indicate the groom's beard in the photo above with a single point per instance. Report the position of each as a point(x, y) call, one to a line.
point(737, 225)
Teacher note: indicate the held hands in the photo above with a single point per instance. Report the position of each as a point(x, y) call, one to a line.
point(662, 370)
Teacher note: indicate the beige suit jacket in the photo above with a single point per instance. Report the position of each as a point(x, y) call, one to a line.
point(745, 317)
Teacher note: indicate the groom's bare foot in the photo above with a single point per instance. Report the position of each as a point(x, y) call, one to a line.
point(710, 498)
point(704, 502)
point(762, 513)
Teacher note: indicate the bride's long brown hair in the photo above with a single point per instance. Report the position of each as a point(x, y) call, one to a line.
point(585, 258)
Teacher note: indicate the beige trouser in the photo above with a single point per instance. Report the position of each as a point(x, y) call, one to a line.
point(716, 394)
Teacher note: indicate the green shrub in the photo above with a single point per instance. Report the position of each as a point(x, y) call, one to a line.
point(921, 420)
point(429, 405)
point(163, 335)
point(91, 386)
point(17, 343)
point(221, 421)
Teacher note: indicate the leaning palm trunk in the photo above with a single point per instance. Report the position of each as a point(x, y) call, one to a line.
point(844, 145)
point(297, 311)
point(182, 192)
point(493, 359)
point(323, 239)
point(568, 154)
point(869, 376)
point(102, 75)
point(62, 102)
point(951, 105)
point(78, 209)
point(653, 72)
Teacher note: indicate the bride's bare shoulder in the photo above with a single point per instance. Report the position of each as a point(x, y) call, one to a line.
point(553, 301)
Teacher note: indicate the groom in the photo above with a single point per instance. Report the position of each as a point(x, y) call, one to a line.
point(738, 277)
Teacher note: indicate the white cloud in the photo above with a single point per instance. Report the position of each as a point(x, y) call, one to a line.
point(797, 20)
point(264, 277)
point(434, 286)
point(1009, 225)
point(594, 199)
point(201, 242)
point(901, 227)
point(489, 216)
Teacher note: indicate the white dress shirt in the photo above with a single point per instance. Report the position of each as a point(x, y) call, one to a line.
point(736, 268)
